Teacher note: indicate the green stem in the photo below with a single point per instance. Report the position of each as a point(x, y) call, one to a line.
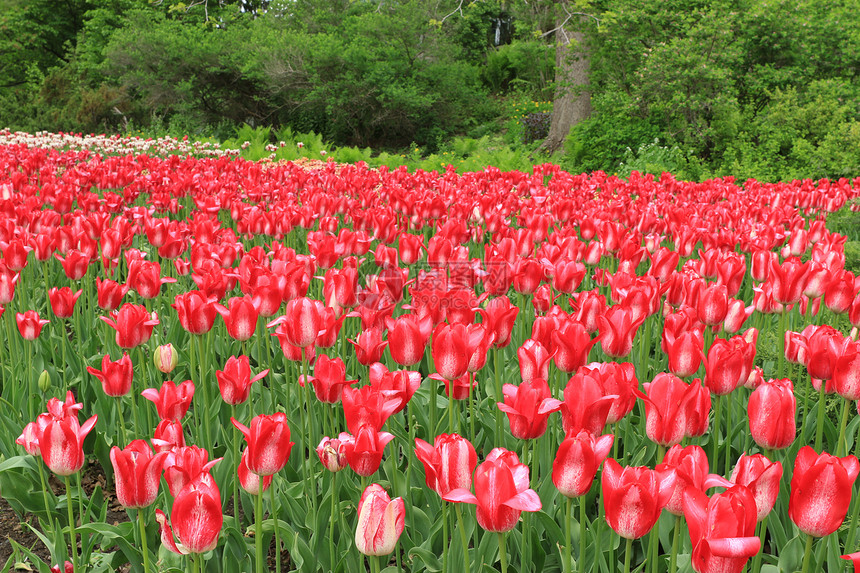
point(780, 334)
point(498, 393)
point(715, 433)
point(729, 433)
point(234, 449)
point(472, 408)
point(627, 553)
point(673, 559)
point(64, 341)
point(143, 540)
point(806, 554)
point(72, 536)
point(121, 419)
point(464, 539)
point(840, 445)
point(445, 540)
point(819, 422)
point(762, 534)
point(204, 384)
point(451, 409)
point(582, 529)
point(332, 520)
point(274, 513)
point(374, 563)
point(258, 530)
point(31, 405)
point(503, 556)
point(653, 548)
point(48, 520)
point(568, 528)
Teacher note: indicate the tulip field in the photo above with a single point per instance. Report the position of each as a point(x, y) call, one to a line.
point(214, 364)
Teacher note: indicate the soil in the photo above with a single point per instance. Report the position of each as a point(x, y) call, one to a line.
point(14, 528)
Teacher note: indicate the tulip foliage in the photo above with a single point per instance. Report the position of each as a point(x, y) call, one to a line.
point(322, 367)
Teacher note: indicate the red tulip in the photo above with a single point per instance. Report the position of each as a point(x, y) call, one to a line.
point(698, 410)
point(196, 518)
point(589, 306)
point(380, 521)
point(332, 454)
point(364, 450)
point(302, 322)
point(633, 497)
point(183, 465)
point(448, 463)
point(367, 406)
point(617, 329)
point(820, 491)
point(772, 409)
point(729, 363)
point(451, 350)
point(8, 280)
point(110, 293)
point(61, 444)
point(168, 436)
point(235, 380)
point(400, 384)
point(329, 379)
point(846, 373)
point(686, 352)
point(133, 325)
point(788, 279)
point(576, 463)
point(268, 441)
point(116, 377)
point(407, 338)
point(409, 248)
point(502, 491)
point(137, 474)
point(196, 311)
point(369, 346)
point(250, 481)
point(616, 379)
point(63, 301)
point(852, 557)
point(736, 315)
point(840, 292)
point(585, 405)
point(666, 405)
point(528, 407)
point(145, 278)
point(712, 304)
point(240, 317)
point(171, 401)
point(690, 465)
point(534, 361)
point(74, 265)
point(15, 255)
point(823, 348)
point(571, 345)
point(722, 529)
point(762, 477)
point(29, 324)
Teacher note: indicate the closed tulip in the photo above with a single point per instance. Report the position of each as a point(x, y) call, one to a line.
point(332, 454)
point(846, 373)
point(534, 361)
point(451, 350)
point(144, 277)
point(761, 476)
point(369, 346)
point(615, 379)
point(235, 380)
point(712, 304)
point(248, 480)
point(380, 521)
point(617, 329)
point(61, 444)
point(666, 407)
point(133, 325)
point(137, 473)
point(448, 463)
point(182, 466)
point(722, 529)
point(367, 406)
point(772, 409)
point(116, 377)
point(577, 460)
point(329, 379)
point(690, 465)
point(240, 317)
point(171, 401)
point(499, 318)
point(29, 324)
point(685, 353)
point(585, 406)
point(268, 441)
point(364, 450)
point(528, 407)
point(196, 518)
point(820, 491)
point(63, 301)
point(571, 345)
point(633, 497)
point(196, 311)
point(407, 338)
point(502, 491)
point(400, 384)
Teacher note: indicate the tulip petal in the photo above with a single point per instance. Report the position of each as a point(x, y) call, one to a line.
point(736, 547)
point(527, 500)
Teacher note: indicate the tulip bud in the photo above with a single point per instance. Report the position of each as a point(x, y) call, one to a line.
point(165, 358)
point(44, 381)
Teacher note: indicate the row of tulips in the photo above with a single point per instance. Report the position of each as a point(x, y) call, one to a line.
point(620, 251)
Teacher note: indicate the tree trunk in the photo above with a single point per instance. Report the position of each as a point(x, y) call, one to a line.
point(572, 102)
